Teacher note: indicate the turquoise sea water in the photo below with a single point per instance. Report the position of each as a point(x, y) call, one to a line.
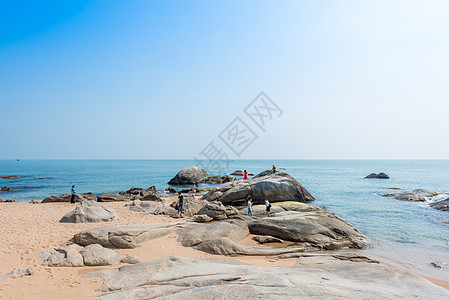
point(407, 233)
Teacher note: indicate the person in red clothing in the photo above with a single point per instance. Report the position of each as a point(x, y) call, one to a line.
point(245, 174)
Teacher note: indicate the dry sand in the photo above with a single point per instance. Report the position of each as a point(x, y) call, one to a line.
point(29, 228)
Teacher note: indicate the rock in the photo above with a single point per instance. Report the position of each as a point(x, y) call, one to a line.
point(232, 211)
point(190, 236)
point(130, 260)
point(274, 187)
point(97, 255)
point(320, 229)
point(17, 273)
point(216, 210)
point(124, 236)
point(213, 180)
point(134, 203)
point(218, 278)
point(7, 189)
point(189, 175)
point(378, 176)
point(201, 218)
point(170, 190)
point(237, 173)
point(65, 256)
point(62, 198)
point(155, 208)
point(227, 178)
point(89, 196)
point(34, 201)
point(112, 197)
point(137, 192)
point(441, 205)
point(436, 265)
point(10, 200)
point(90, 211)
point(418, 195)
point(152, 189)
point(151, 197)
point(263, 239)
point(10, 177)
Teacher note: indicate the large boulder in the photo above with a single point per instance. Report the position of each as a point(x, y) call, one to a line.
point(378, 176)
point(441, 205)
point(62, 198)
point(90, 211)
point(189, 175)
point(318, 228)
point(97, 255)
point(218, 278)
point(112, 197)
point(276, 187)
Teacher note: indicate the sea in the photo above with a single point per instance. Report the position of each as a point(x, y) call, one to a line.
point(411, 235)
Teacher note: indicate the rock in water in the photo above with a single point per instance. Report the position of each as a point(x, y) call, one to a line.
point(189, 175)
point(63, 198)
point(90, 211)
point(216, 278)
point(276, 187)
point(319, 228)
point(441, 205)
point(418, 195)
point(378, 176)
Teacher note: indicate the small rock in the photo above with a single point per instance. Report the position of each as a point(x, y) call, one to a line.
point(436, 265)
point(378, 176)
point(263, 239)
point(17, 273)
point(130, 260)
point(10, 200)
point(170, 190)
point(97, 255)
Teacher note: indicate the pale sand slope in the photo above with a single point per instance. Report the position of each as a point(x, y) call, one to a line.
point(30, 228)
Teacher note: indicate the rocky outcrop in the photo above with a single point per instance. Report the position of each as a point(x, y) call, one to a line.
point(216, 278)
point(218, 179)
point(274, 187)
point(8, 189)
point(90, 211)
point(62, 198)
point(378, 176)
point(441, 205)
point(112, 197)
point(318, 228)
point(215, 210)
point(419, 195)
point(201, 218)
point(189, 175)
point(170, 190)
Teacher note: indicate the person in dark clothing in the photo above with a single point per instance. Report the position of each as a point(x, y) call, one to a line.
point(274, 169)
point(180, 203)
point(73, 193)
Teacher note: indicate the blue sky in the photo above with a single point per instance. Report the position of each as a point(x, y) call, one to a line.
point(161, 79)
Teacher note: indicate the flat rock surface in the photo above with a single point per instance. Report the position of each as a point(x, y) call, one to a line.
point(215, 278)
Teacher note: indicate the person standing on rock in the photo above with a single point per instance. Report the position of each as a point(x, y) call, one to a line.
point(267, 207)
point(180, 203)
point(274, 169)
point(73, 193)
point(245, 175)
point(250, 206)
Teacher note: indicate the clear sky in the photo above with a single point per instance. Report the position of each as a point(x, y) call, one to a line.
point(161, 79)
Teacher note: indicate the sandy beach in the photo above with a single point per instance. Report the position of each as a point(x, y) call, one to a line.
point(29, 228)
